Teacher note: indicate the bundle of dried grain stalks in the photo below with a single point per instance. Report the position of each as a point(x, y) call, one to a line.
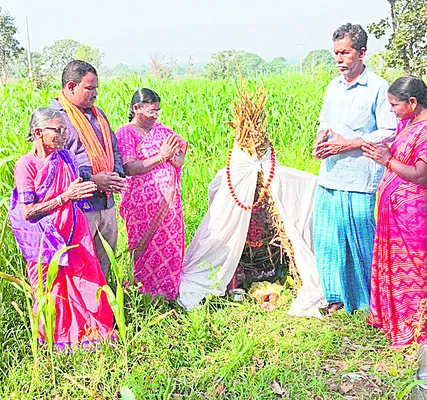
point(268, 253)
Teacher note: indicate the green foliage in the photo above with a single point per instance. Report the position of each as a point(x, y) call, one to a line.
point(242, 351)
point(378, 64)
point(407, 46)
point(318, 58)
point(40, 306)
point(277, 66)
point(53, 59)
point(116, 300)
point(59, 54)
point(50, 62)
point(222, 65)
point(40, 74)
point(251, 65)
point(92, 55)
point(9, 45)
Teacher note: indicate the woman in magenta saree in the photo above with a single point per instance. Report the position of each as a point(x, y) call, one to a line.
point(399, 267)
point(151, 204)
point(44, 213)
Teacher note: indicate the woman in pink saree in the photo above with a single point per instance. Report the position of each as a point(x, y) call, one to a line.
point(151, 205)
point(399, 267)
point(44, 213)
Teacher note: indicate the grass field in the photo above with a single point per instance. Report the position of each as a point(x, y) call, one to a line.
point(220, 350)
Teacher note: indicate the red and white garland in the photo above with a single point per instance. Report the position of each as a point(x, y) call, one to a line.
point(264, 189)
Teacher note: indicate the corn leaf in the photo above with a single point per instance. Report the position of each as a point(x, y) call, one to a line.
point(52, 271)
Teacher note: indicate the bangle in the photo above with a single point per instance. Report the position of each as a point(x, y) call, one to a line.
point(59, 201)
point(160, 160)
point(388, 162)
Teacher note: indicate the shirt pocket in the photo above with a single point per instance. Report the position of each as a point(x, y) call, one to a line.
point(358, 116)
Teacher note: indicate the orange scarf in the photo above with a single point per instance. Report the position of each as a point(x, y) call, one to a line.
point(102, 160)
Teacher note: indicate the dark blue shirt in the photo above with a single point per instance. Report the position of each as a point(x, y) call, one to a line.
point(99, 200)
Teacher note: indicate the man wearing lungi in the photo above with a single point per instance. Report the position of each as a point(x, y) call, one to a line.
point(355, 109)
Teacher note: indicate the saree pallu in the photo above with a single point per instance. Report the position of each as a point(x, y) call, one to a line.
point(152, 210)
point(399, 266)
point(343, 238)
point(79, 318)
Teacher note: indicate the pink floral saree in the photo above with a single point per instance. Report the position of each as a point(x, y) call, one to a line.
point(399, 266)
point(151, 207)
point(79, 317)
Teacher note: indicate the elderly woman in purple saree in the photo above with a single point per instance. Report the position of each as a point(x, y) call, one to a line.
point(44, 215)
point(151, 205)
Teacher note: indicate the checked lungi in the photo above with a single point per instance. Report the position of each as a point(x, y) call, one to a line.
point(344, 231)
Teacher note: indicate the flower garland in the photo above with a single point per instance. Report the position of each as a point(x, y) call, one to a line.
point(264, 189)
point(254, 236)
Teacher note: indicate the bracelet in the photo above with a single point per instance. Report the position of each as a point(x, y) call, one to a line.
point(160, 160)
point(59, 201)
point(388, 162)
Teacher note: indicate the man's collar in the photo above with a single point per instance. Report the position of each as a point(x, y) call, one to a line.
point(362, 80)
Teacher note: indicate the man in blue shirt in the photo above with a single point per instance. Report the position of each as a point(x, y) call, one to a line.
point(355, 109)
point(79, 91)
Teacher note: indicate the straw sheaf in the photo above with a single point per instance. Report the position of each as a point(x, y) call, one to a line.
point(250, 123)
point(250, 129)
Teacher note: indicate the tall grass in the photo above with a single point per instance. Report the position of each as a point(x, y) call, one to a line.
point(220, 350)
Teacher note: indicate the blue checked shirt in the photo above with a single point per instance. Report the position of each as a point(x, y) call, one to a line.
point(362, 111)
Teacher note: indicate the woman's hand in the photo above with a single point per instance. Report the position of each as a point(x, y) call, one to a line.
point(169, 147)
point(79, 190)
point(76, 191)
point(178, 159)
point(377, 152)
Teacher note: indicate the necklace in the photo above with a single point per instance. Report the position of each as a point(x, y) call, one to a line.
point(264, 189)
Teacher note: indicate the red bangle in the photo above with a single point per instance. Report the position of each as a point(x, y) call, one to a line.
point(388, 162)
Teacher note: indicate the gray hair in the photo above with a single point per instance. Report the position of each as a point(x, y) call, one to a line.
point(40, 118)
point(358, 36)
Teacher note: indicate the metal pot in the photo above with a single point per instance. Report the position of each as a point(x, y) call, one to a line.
point(237, 295)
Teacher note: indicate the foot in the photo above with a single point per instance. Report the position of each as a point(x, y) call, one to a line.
point(332, 307)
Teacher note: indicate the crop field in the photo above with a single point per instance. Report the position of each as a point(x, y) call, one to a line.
point(221, 350)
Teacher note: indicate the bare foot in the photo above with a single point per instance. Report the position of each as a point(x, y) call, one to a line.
point(334, 307)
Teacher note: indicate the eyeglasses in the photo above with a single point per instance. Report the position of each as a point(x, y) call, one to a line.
point(58, 131)
point(153, 113)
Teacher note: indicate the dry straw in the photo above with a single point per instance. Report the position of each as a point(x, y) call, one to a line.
point(271, 244)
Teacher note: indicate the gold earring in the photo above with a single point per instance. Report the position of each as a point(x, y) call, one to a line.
point(413, 106)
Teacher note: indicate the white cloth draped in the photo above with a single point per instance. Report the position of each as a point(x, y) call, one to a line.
point(213, 256)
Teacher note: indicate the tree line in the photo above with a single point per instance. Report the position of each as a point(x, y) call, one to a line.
point(406, 50)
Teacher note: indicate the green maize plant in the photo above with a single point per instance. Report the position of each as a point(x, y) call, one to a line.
point(116, 300)
point(44, 301)
point(41, 299)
